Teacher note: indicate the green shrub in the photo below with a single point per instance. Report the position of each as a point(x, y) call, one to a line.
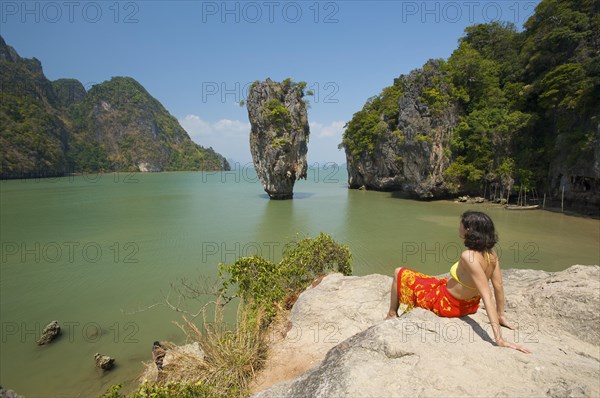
point(309, 258)
point(253, 279)
point(232, 355)
point(279, 142)
point(268, 284)
point(423, 138)
point(169, 390)
point(278, 114)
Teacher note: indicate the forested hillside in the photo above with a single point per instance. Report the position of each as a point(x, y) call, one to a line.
point(508, 110)
point(56, 128)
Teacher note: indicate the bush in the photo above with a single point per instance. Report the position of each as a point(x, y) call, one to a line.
point(253, 279)
point(169, 390)
point(268, 284)
point(307, 259)
point(232, 355)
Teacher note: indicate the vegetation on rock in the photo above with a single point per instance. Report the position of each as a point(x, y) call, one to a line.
point(55, 128)
point(528, 104)
point(233, 354)
point(279, 134)
point(268, 285)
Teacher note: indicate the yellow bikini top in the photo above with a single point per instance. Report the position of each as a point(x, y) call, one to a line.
point(455, 267)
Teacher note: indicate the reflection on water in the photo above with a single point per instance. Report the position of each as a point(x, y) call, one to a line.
point(97, 255)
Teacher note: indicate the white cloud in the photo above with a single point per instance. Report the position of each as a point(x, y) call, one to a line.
point(323, 146)
point(332, 129)
point(196, 127)
point(228, 137)
point(232, 126)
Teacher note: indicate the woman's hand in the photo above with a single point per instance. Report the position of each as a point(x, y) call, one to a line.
point(514, 346)
point(504, 322)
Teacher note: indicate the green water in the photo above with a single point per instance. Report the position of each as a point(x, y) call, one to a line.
point(95, 252)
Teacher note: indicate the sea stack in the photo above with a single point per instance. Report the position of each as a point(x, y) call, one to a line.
point(279, 135)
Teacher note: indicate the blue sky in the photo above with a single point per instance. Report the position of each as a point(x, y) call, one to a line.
point(198, 57)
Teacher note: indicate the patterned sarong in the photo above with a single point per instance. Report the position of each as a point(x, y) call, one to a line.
point(428, 292)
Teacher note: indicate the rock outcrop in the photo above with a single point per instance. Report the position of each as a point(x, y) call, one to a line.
point(137, 133)
point(338, 328)
point(579, 176)
point(521, 109)
point(104, 362)
point(175, 356)
point(33, 135)
point(68, 92)
point(411, 155)
point(50, 332)
point(5, 393)
point(56, 128)
point(279, 135)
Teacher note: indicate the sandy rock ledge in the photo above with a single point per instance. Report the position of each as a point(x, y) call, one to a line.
point(337, 344)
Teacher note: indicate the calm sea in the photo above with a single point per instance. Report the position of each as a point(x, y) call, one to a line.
point(99, 253)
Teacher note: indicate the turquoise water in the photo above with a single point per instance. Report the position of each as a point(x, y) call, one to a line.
point(99, 253)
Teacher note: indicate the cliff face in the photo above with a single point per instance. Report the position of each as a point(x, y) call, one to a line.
point(337, 344)
point(279, 135)
point(52, 128)
point(409, 152)
point(508, 111)
point(33, 134)
point(68, 92)
point(136, 132)
point(578, 174)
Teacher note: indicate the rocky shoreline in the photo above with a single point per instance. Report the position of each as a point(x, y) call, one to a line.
point(336, 342)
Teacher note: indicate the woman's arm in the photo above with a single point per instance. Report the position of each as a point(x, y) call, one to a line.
point(499, 295)
point(471, 264)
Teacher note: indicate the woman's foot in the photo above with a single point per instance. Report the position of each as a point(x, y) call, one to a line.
point(391, 314)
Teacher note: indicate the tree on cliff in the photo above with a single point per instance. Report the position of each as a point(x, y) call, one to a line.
point(527, 106)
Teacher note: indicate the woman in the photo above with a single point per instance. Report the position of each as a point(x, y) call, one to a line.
point(460, 294)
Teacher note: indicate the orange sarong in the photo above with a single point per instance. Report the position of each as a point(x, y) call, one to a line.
point(419, 290)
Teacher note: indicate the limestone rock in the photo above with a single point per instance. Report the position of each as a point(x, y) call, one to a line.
point(147, 167)
point(279, 135)
point(579, 176)
point(186, 350)
point(50, 332)
point(68, 92)
point(137, 133)
point(566, 301)
point(116, 125)
point(410, 156)
point(5, 393)
point(104, 361)
point(174, 356)
point(420, 354)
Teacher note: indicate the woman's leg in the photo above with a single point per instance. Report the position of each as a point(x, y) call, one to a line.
point(394, 302)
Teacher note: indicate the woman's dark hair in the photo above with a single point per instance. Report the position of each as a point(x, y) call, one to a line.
point(480, 233)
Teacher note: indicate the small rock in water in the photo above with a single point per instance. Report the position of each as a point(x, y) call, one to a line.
point(158, 354)
point(50, 332)
point(5, 393)
point(104, 361)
